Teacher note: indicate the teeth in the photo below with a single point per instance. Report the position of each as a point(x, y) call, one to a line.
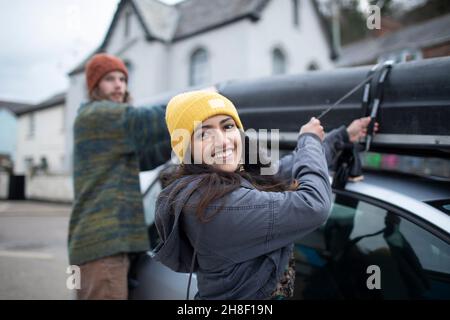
point(225, 154)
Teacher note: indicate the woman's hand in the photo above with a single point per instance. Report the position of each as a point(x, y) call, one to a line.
point(358, 129)
point(313, 126)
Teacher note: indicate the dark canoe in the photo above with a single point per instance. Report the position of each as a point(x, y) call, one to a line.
point(414, 115)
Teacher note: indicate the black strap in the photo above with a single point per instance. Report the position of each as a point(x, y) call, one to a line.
point(377, 101)
point(194, 256)
point(367, 91)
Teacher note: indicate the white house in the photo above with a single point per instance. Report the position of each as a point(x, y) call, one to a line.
point(40, 152)
point(8, 126)
point(201, 42)
point(8, 142)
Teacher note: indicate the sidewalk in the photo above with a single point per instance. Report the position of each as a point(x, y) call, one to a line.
point(39, 208)
point(33, 250)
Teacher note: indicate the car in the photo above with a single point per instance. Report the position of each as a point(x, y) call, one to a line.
point(388, 236)
point(395, 223)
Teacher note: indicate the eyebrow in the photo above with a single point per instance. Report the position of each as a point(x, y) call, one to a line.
point(209, 126)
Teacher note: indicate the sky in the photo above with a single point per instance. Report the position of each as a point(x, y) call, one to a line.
point(41, 41)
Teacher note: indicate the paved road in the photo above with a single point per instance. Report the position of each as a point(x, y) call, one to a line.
point(33, 253)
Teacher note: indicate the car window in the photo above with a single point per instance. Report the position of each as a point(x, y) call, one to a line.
point(333, 262)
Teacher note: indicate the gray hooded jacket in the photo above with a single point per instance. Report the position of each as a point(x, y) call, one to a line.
point(243, 251)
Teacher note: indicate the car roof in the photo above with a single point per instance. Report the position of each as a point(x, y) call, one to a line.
point(408, 193)
point(417, 187)
point(405, 191)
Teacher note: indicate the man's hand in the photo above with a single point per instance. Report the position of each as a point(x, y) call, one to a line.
point(358, 129)
point(313, 126)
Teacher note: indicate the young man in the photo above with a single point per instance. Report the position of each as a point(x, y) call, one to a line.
point(112, 141)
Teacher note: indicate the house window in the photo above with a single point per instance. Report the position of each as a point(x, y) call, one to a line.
point(127, 23)
point(295, 11)
point(130, 69)
point(29, 163)
point(31, 125)
point(199, 68)
point(278, 62)
point(313, 66)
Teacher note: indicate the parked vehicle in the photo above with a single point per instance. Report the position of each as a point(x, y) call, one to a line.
point(396, 222)
point(388, 236)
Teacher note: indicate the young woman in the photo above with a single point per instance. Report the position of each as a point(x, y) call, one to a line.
point(221, 218)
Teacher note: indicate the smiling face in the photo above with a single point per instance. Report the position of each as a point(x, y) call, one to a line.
point(217, 142)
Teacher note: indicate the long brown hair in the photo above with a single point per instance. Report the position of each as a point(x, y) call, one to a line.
point(216, 183)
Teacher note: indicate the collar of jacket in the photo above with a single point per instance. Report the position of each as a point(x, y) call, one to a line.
point(246, 184)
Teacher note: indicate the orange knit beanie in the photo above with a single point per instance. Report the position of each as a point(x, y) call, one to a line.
point(99, 65)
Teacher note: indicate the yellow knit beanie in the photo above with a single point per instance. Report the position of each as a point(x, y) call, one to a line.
point(186, 110)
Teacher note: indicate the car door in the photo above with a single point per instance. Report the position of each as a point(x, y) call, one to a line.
point(368, 250)
point(154, 280)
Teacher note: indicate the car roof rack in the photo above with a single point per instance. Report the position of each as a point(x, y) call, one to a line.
point(414, 115)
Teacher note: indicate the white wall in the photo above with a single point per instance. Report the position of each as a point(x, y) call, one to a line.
point(49, 187)
point(244, 49)
point(48, 139)
point(227, 49)
point(8, 132)
point(118, 41)
point(301, 44)
point(76, 94)
point(4, 185)
point(148, 74)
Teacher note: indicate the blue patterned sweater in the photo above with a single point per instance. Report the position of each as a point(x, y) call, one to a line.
point(112, 143)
